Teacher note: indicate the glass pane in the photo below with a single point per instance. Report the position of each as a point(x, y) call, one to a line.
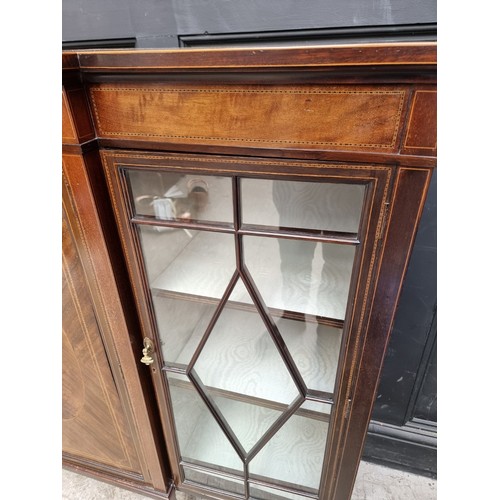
point(294, 456)
point(214, 480)
point(305, 277)
point(263, 493)
point(181, 325)
point(244, 372)
point(240, 357)
point(172, 196)
point(302, 205)
point(197, 263)
point(315, 349)
point(314, 409)
point(248, 420)
point(199, 436)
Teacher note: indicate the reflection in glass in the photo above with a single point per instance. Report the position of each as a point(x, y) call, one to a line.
point(301, 276)
point(172, 196)
point(302, 205)
point(199, 436)
point(294, 455)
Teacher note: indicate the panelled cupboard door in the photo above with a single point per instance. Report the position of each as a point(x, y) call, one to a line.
point(94, 427)
point(252, 277)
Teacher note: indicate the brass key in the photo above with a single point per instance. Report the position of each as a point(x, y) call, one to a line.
point(148, 349)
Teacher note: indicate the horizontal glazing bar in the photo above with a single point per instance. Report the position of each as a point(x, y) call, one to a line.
point(192, 297)
point(215, 491)
point(319, 396)
point(207, 478)
point(210, 470)
point(196, 225)
point(300, 234)
point(215, 391)
point(280, 313)
point(282, 486)
point(175, 368)
point(266, 231)
point(314, 396)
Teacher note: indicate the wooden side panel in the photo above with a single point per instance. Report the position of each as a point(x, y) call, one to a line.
point(68, 130)
point(76, 120)
point(421, 136)
point(406, 207)
point(345, 117)
point(94, 424)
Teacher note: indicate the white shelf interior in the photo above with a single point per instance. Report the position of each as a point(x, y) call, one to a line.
point(202, 264)
point(240, 355)
point(293, 455)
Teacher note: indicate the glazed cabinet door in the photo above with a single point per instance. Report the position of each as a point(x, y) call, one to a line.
point(252, 279)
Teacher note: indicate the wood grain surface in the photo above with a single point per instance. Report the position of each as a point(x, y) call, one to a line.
point(335, 117)
point(94, 423)
point(77, 121)
point(91, 221)
point(421, 135)
point(400, 55)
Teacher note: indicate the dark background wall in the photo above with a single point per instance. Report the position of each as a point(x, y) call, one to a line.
point(175, 23)
point(402, 432)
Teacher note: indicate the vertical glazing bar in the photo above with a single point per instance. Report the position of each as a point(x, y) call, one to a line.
point(237, 223)
point(236, 203)
point(245, 475)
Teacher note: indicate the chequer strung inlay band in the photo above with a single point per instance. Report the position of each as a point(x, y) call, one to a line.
point(168, 113)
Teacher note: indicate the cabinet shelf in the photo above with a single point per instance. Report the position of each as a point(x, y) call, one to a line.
point(313, 347)
point(202, 440)
point(202, 265)
point(245, 306)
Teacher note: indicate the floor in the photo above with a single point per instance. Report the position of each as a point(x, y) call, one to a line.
point(374, 482)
